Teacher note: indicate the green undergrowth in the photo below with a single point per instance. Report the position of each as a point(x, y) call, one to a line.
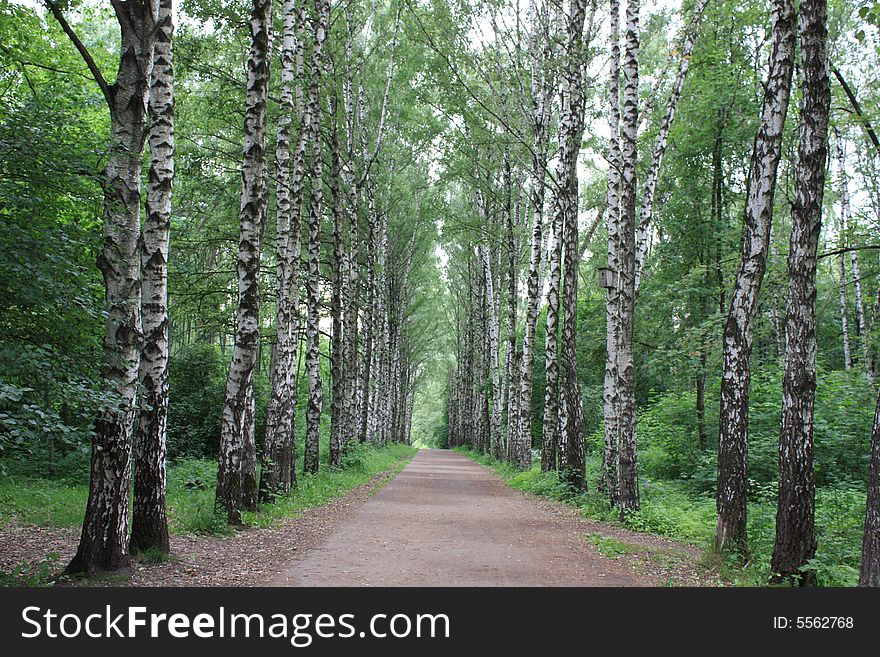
point(612, 548)
point(670, 508)
point(42, 573)
point(360, 464)
point(190, 496)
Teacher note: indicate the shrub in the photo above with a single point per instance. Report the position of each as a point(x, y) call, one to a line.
point(196, 381)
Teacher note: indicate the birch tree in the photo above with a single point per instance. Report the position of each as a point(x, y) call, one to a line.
point(541, 79)
point(103, 543)
point(842, 300)
point(855, 268)
point(236, 482)
point(550, 434)
point(610, 393)
point(571, 127)
point(492, 325)
point(337, 394)
point(795, 515)
point(628, 492)
point(649, 192)
point(738, 331)
point(870, 570)
point(620, 480)
point(277, 472)
point(313, 366)
point(351, 287)
point(517, 451)
point(149, 524)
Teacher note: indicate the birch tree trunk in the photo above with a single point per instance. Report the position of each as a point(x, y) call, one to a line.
point(550, 436)
point(103, 542)
point(841, 294)
point(610, 393)
point(773, 313)
point(351, 288)
point(571, 127)
point(737, 342)
point(845, 222)
point(795, 515)
point(628, 485)
point(495, 438)
point(528, 349)
point(870, 571)
point(484, 345)
point(149, 524)
point(233, 482)
point(467, 421)
point(366, 396)
point(277, 471)
point(540, 126)
point(377, 368)
point(249, 491)
point(383, 360)
point(313, 365)
point(337, 401)
point(517, 450)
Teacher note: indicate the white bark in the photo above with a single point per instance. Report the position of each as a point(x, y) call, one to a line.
point(737, 341)
point(233, 482)
point(149, 527)
point(845, 223)
point(795, 514)
point(494, 370)
point(104, 540)
point(313, 366)
point(277, 463)
point(610, 393)
point(628, 498)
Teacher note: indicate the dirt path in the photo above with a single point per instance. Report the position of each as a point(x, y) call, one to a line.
point(446, 521)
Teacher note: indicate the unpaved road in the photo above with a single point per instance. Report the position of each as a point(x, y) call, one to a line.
point(446, 521)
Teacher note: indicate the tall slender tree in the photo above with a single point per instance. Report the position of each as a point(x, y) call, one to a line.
point(628, 491)
point(610, 393)
point(277, 471)
point(795, 515)
point(337, 394)
point(855, 268)
point(103, 543)
point(539, 46)
point(351, 286)
point(730, 533)
point(313, 366)
point(571, 128)
point(236, 482)
point(870, 571)
point(149, 524)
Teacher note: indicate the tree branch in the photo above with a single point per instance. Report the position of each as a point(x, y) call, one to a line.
point(591, 229)
point(848, 249)
point(857, 108)
point(83, 51)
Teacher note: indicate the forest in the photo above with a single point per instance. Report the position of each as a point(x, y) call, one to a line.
point(622, 254)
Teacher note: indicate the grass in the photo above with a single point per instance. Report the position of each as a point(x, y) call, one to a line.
point(49, 503)
point(612, 548)
point(358, 466)
point(38, 574)
point(41, 502)
point(669, 509)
